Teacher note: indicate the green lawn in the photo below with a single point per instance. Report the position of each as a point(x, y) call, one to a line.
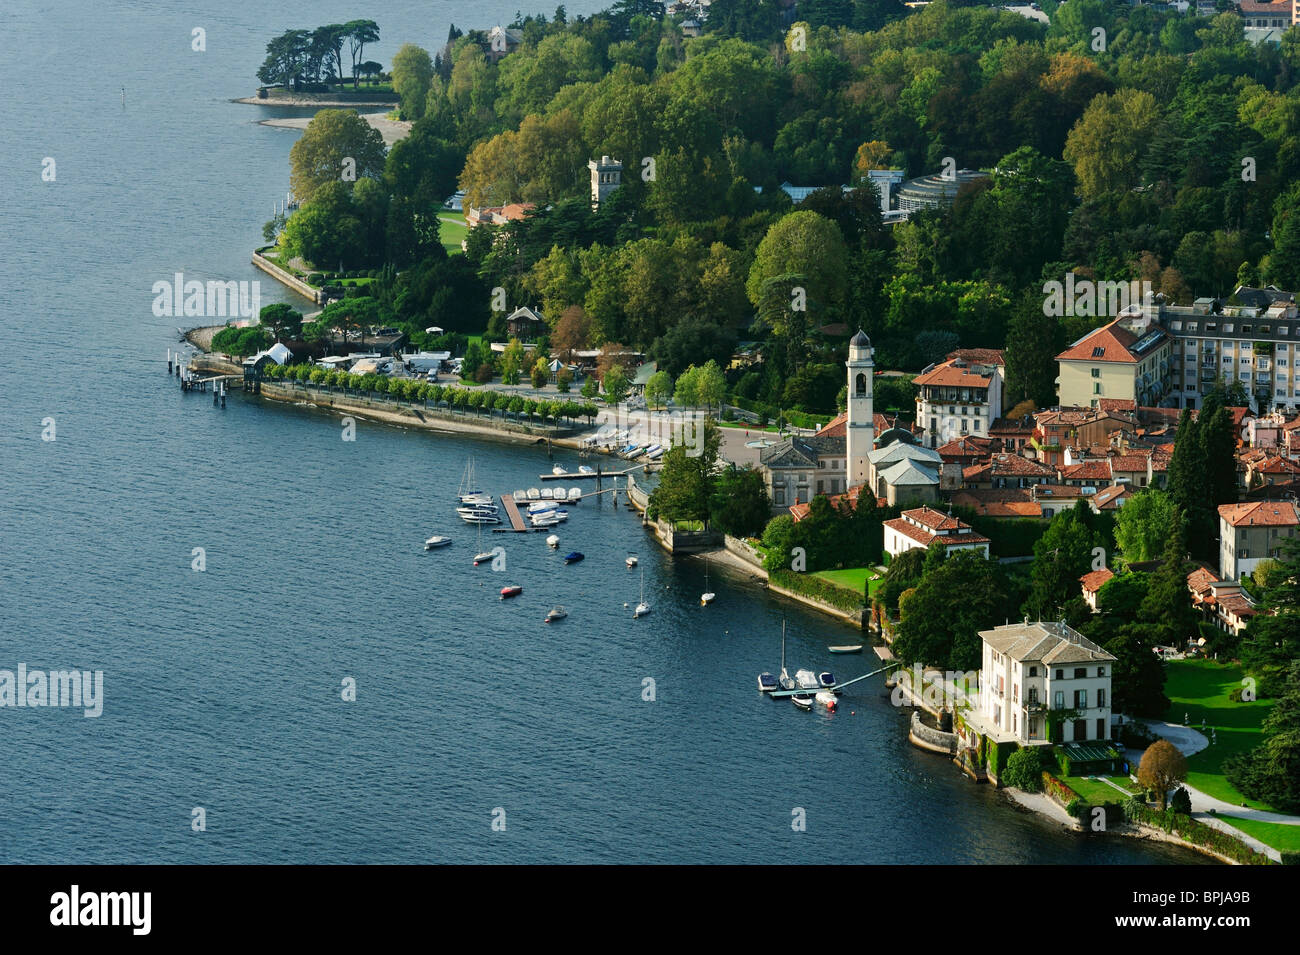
point(745, 425)
point(851, 578)
point(1274, 834)
point(452, 231)
point(1200, 688)
point(1095, 791)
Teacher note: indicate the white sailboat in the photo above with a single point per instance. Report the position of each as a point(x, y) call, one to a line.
point(467, 493)
point(706, 598)
point(642, 608)
point(483, 556)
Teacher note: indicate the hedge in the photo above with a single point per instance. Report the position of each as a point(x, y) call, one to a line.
point(1197, 833)
point(1059, 790)
point(800, 419)
point(843, 598)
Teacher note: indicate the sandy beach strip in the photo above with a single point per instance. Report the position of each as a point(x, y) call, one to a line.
point(392, 130)
point(309, 102)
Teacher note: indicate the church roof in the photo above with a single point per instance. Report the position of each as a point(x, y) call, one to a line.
point(900, 451)
point(905, 473)
point(860, 339)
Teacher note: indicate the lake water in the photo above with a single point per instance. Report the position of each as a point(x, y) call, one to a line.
point(223, 687)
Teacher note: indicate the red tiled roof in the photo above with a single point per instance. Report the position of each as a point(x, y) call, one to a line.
point(1260, 514)
point(924, 538)
point(1018, 466)
point(1087, 471)
point(1117, 404)
point(1199, 580)
point(998, 502)
point(978, 356)
point(1092, 582)
point(949, 374)
point(1113, 341)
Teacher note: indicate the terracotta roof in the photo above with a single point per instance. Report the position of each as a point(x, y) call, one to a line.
point(1014, 426)
point(998, 502)
point(965, 448)
point(1117, 404)
point(978, 356)
point(1019, 466)
point(977, 472)
point(1129, 462)
point(950, 374)
point(1275, 464)
point(925, 538)
point(1199, 580)
point(1237, 605)
point(1260, 514)
point(1087, 471)
point(1282, 8)
point(1055, 491)
point(1110, 343)
point(1092, 582)
point(1109, 498)
point(935, 520)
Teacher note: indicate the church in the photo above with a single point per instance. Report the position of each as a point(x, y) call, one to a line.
point(857, 448)
point(836, 457)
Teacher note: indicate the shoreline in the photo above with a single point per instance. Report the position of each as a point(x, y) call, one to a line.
point(304, 101)
point(391, 130)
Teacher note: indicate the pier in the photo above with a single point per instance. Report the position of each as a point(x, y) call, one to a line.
point(512, 512)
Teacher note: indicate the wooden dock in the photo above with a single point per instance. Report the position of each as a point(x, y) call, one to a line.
point(512, 512)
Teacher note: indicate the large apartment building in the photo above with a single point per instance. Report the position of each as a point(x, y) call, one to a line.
point(1253, 532)
point(1172, 355)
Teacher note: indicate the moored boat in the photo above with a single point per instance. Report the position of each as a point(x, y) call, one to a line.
point(437, 540)
point(631, 561)
point(556, 613)
point(573, 557)
point(802, 700)
point(827, 699)
point(827, 680)
point(847, 648)
point(767, 683)
point(514, 590)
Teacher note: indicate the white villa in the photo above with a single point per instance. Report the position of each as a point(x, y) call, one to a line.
point(1032, 669)
point(917, 529)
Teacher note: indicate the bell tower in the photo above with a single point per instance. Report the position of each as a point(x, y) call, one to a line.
point(861, 424)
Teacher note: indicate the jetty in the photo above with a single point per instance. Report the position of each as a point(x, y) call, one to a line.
point(512, 512)
point(586, 475)
point(837, 687)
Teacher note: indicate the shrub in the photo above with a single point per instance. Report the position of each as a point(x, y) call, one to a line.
point(315, 278)
point(483, 374)
point(1196, 833)
point(1181, 802)
point(1025, 769)
point(1290, 857)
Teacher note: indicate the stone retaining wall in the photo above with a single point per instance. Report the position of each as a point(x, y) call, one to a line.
point(287, 278)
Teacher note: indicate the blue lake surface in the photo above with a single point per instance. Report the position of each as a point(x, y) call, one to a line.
point(223, 687)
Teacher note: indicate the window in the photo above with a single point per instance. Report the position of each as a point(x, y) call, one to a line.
point(1101, 671)
point(1096, 373)
point(1032, 695)
point(1080, 730)
point(1033, 671)
point(1101, 697)
point(1058, 702)
point(1080, 673)
point(1015, 692)
point(1080, 699)
point(1060, 674)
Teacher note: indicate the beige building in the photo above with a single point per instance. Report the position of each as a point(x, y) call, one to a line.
point(917, 529)
point(1126, 360)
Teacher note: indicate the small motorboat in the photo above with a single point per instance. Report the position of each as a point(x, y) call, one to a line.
point(547, 493)
point(533, 494)
point(586, 469)
point(556, 613)
point(575, 495)
point(827, 699)
point(553, 541)
point(483, 558)
point(573, 557)
point(767, 683)
point(557, 470)
point(848, 648)
point(514, 590)
point(807, 680)
point(476, 498)
point(827, 680)
point(479, 517)
point(802, 700)
point(437, 540)
point(544, 520)
point(519, 497)
point(631, 561)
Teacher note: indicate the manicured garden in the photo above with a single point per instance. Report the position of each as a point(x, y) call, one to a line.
point(852, 578)
point(452, 230)
point(1200, 690)
point(1277, 835)
point(1097, 792)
